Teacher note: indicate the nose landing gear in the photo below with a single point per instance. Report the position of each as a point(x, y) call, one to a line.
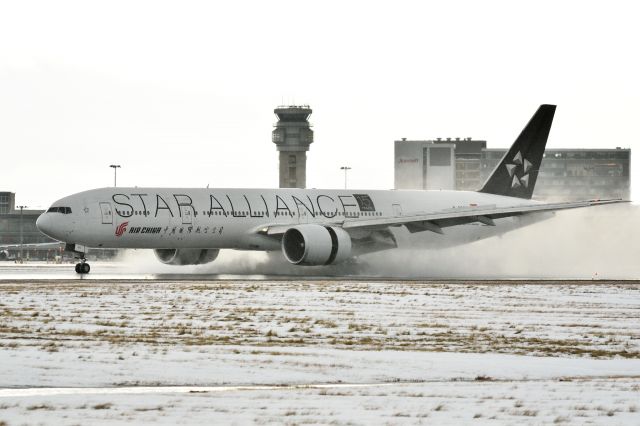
point(83, 267)
point(78, 251)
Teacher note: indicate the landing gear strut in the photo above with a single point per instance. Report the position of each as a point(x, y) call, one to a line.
point(78, 251)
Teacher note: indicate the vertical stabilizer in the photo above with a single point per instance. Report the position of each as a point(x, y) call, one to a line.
point(517, 172)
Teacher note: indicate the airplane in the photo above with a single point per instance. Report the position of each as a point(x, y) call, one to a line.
point(5, 255)
point(5, 250)
point(189, 226)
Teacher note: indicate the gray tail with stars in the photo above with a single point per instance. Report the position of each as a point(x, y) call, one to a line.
point(517, 172)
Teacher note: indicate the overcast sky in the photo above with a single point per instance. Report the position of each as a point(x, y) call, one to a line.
point(182, 93)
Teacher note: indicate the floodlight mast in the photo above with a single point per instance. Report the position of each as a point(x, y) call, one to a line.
point(346, 169)
point(115, 173)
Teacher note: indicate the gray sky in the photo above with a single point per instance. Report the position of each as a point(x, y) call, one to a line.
point(182, 93)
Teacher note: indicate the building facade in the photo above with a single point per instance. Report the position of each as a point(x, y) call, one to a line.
point(7, 202)
point(565, 174)
point(576, 174)
point(18, 227)
point(424, 165)
point(468, 153)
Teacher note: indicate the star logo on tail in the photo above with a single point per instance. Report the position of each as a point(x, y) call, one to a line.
point(519, 161)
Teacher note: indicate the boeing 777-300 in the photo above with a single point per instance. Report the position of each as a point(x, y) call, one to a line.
point(309, 226)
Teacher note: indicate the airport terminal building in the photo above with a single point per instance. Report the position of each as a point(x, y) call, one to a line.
point(19, 226)
point(565, 174)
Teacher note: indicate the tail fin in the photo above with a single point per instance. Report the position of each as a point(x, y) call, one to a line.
point(517, 172)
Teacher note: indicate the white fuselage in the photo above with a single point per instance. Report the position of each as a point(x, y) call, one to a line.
point(158, 218)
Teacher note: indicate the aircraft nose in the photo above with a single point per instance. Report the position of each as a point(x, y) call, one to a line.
point(43, 223)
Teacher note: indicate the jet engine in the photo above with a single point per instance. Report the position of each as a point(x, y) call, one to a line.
point(4, 255)
point(316, 245)
point(186, 256)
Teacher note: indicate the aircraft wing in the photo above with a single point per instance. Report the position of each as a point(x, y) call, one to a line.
point(459, 216)
point(435, 221)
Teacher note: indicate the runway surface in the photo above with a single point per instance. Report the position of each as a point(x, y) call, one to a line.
point(117, 271)
point(107, 271)
point(342, 351)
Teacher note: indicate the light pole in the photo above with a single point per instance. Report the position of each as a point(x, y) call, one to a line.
point(115, 173)
point(21, 239)
point(345, 168)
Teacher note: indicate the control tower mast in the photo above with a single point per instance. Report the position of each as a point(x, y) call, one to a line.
point(292, 136)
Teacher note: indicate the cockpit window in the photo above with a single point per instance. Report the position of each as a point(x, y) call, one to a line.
point(63, 210)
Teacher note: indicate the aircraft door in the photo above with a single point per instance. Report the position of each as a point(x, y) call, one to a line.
point(107, 213)
point(187, 215)
point(303, 215)
point(397, 210)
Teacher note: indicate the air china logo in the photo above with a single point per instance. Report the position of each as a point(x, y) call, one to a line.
point(121, 229)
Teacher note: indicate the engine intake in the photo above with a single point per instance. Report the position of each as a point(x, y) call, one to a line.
point(186, 256)
point(312, 245)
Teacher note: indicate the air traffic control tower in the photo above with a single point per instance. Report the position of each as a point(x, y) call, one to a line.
point(293, 135)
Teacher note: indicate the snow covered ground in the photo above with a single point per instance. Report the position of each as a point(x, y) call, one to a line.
point(100, 351)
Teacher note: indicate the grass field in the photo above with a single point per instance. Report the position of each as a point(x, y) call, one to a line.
point(395, 352)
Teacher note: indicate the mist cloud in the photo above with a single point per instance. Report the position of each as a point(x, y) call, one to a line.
point(599, 242)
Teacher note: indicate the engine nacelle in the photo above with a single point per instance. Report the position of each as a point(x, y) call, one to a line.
point(316, 245)
point(186, 256)
point(4, 254)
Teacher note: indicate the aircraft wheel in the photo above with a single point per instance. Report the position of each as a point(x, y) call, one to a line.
point(83, 268)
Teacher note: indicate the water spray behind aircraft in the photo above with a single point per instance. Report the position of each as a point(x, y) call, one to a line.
point(600, 243)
